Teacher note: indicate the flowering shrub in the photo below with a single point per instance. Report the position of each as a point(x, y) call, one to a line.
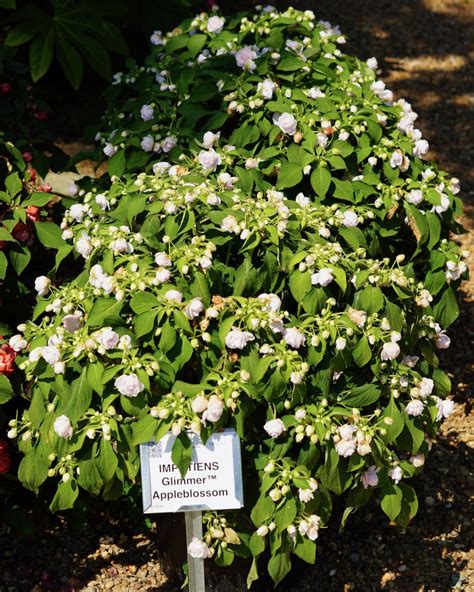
point(281, 265)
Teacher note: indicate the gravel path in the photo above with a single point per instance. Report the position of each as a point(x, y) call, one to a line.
point(425, 50)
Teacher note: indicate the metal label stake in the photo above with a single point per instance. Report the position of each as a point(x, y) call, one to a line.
point(195, 566)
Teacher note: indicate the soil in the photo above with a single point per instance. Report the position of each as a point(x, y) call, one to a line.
point(425, 49)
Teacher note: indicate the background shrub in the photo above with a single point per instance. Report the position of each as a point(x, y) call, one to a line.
point(273, 254)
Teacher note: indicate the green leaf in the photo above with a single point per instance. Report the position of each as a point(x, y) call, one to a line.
point(262, 510)
point(65, 497)
point(81, 395)
point(107, 461)
point(446, 310)
point(95, 373)
point(362, 353)
point(196, 43)
point(391, 499)
point(13, 184)
point(89, 477)
point(300, 285)
point(49, 234)
point(306, 549)
point(143, 302)
point(41, 54)
point(6, 389)
point(9, 4)
point(256, 544)
point(144, 323)
point(70, 61)
point(33, 469)
point(20, 256)
point(395, 427)
point(371, 299)
point(289, 175)
point(320, 180)
point(117, 164)
point(3, 265)
point(333, 473)
point(409, 505)
point(286, 514)
point(279, 565)
point(182, 453)
point(102, 309)
point(252, 576)
point(361, 396)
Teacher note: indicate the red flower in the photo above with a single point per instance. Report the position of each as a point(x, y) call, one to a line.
point(41, 115)
point(5, 459)
point(7, 359)
point(5, 88)
point(23, 234)
point(46, 188)
point(27, 156)
point(33, 213)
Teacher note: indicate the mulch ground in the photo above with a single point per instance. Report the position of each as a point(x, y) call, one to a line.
point(426, 50)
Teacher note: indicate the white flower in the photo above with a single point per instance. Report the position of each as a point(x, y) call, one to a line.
point(340, 343)
point(302, 200)
point(322, 140)
point(266, 88)
point(445, 408)
point(194, 308)
point(410, 361)
point(358, 317)
point(350, 218)
point(214, 409)
point(17, 342)
point(73, 189)
point(50, 354)
point(159, 168)
point(300, 414)
point(147, 112)
point(73, 322)
point(35, 354)
point(108, 338)
point(262, 530)
point(244, 58)
point(169, 143)
point(199, 404)
point(286, 122)
point(390, 351)
point(215, 24)
point(173, 296)
point(425, 387)
point(294, 337)
point(198, 549)
point(323, 277)
point(312, 527)
point(209, 139)
point(129, 385)
point(372, 63)
point(147, 143)
point(120, 245)
point(274, 428)
point(421, 148)
point(370, 477)
point(417, 460)
point(162, 276)
point(251, 164)
point(442, 341)
point(109, 149)
point(42, 285)
point(77, 212)
point(271, 302)
point(415, 197)
point(424, 299)
point(226, 180)
point(102, 202)
point(414, 408)
point(347, 431)
point(396, 474)
point(305, 495)
point(59, 367)
point(62, 426)
point(84, 245)
point(399, 160)
point(296, 377)
point(345, 448)
point(162, 260)
point(209, 159)
point(237, 339)
point(230, 224)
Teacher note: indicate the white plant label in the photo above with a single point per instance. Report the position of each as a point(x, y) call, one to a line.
point(213, 480)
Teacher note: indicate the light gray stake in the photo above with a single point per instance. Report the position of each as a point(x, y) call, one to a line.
point(195, 566)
